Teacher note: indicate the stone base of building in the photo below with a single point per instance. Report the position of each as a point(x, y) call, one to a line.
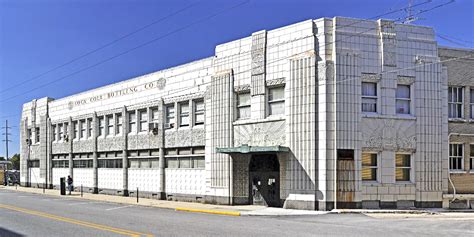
point(429, 204)
point(300, 204)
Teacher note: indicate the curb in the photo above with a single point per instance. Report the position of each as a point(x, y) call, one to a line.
point(382, 212)
point(227, 213)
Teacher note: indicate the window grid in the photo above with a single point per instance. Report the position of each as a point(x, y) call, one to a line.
point(455, 102)
point(118, 124)
point(170, 116)
point(184, 114)
point(37, 135)
point(82, 128)
point(60, 132)
point(471, 104)
point(198, 112)
point(89, 128)
point(101, 126)
point(243, 105)
point(369, 166)
point(55, 132)
point(276, 100)
point(75, 127)
point(143, 116)
point(369, 97)
point(132, 121)
point(110, 125)
point(403, 99)
point(402, 167)
point(456, 155)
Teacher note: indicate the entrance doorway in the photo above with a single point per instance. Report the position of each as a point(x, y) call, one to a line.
point(264, 180)
point(345, 179)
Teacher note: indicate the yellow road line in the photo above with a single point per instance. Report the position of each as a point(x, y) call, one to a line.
point(77, 222)
point(228, 213)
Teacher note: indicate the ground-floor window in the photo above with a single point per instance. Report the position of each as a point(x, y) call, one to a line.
point(153, 163)
point(60, 164)
point(402, 167)
point(456, 152)
point(369, 166)
point(110, 163)
point(82, 163)
point(185, 158)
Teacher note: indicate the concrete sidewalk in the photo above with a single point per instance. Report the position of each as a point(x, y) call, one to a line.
point(241, 210)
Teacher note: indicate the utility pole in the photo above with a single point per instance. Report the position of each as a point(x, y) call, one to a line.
point(6, 137)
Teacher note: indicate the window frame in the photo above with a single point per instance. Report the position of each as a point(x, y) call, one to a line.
point(370, 97)
point(37, 135)
point(82, 129)
point(410, 168)
point(451, 157)
point(456, 104)
point(90, 129)
point(101, 123)
point(132, 122)
point(272, 101)
point(241, 106)
point(109, 124)
point(142, 120)
point(198, 112)
point(170, 117)
point(75, 130)
point(118, 124)
point(376, 167)
point(397, 99)
point(183, 115)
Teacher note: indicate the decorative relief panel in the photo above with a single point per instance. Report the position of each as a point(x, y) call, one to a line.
point(183, 97)
point(276, 82)
point(260, 134)
point(110, 144)
point(61, 148)
point(185, 137)
point(259, 44)
point(370, 77)
point(388, 134)
point(83, 146)
point(406, 80)
point(144, 141)
point(325, 70)
point(245, 87)
point(389, 42)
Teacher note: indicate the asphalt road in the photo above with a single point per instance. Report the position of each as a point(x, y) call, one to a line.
point(26, 214)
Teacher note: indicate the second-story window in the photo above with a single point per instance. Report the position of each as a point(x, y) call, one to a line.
point(132, 122)
point(60, 132)
point(154, 115)
point(83, 128)
point(55, 132)
point(75, 126)
point(369, 97)
point(243, 105)
point(403, 99)
point(276, 100)
point(198, 112)
point(66, 130)
point(169, 116)
point(143, 116)
point(456, 157)
point(118, 124)
point(101, 126)
point(37, 134)
point(455, 102)
point(472, 103)
point(110, 125)
point(184, 114)
point(89, 127)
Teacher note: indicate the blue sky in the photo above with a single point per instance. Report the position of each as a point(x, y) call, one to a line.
point(36, 36)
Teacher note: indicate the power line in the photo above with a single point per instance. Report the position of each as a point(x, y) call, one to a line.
point(360, 33)
point(102, 47)
point(132, 49)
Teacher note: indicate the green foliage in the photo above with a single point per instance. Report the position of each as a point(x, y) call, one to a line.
point(15, 161)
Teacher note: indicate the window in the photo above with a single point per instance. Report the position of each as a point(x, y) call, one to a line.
point(61, 132)
point(33, 163)
point(110, 125)
point(82, 163)
point(143, 116)
point(243, 105)
point(185, 158)
point(60, 164)
point(144, 163)
point(154, 115)
point(89, 127)
point(110, 163)
point(471, 167)
point(66, 132)
point(472, 103)
point(456, 157)
point(37, 135)
point(403, 99)
point(369, 167)
point(101, 126)
point(118, 124)
point(75, 127)
point(184, 114)
point(198, 112)
point(55, 132)
point(402, 167)
point(369, 97)
point(169, 116)
point(83, 129)
point(276, 100)
point(29, 134)
point(132, 121)
point(455, 102)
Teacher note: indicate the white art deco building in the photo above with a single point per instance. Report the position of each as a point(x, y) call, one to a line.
point(325, 113)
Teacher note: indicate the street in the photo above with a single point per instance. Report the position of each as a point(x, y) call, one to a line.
point(28, 214)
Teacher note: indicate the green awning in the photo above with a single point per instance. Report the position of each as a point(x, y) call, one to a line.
point(244, 149)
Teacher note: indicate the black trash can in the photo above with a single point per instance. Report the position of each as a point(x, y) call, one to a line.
point(62, 183)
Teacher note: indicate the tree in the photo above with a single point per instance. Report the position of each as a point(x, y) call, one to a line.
point(2, 158)
point(15, 161)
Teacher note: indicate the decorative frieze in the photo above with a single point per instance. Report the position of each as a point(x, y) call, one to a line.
point(370, 77)
point(261, 134)
point(405, 80)
point(388, 134)
point(276, 82)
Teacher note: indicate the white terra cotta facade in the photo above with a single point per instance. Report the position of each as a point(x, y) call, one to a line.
point(266, 120)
